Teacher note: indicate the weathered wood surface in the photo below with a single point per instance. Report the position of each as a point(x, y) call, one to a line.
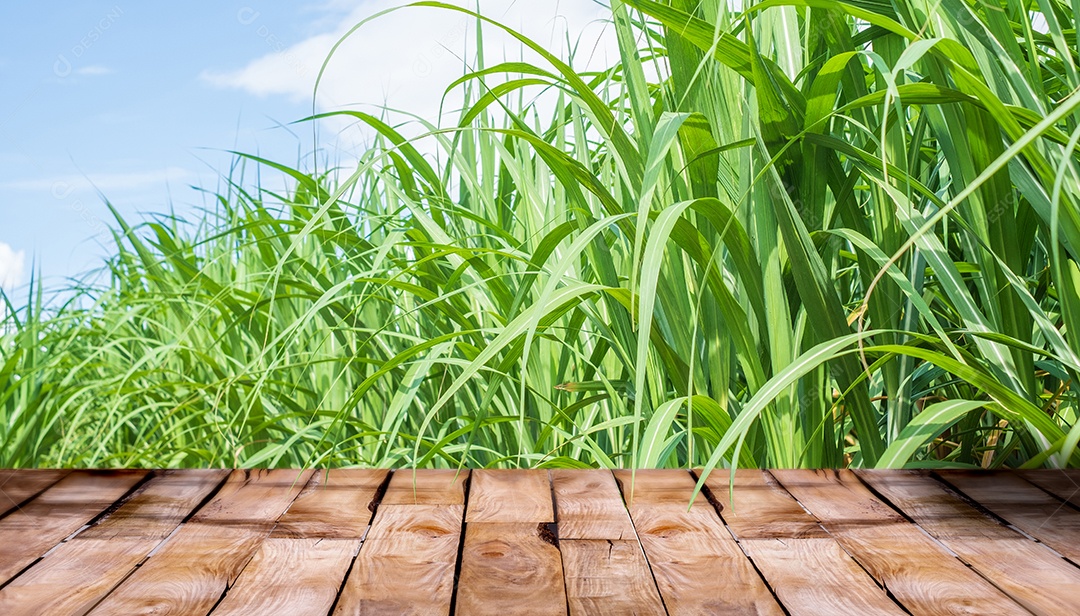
point(100, 557)
point(309, 552)
point(335, 505)
point(18, 486)
point(192, 571)
point(510, 568)
point(608, 577)
point(787, 545)
point(510, 563)
point(291, 576)
point(590, 506)
point(603, 563)
point(34, 528)
point(689, 547)
point(1030, 573)
point(510, 496)
point(407, 562)
point(924, 576)
point(1064, 484)
point(1023, 505)
point(562, 542)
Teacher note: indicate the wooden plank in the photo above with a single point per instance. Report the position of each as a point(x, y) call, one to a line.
point(39, 525)
point(510, 569)
point(832, 496)
point(815, 576)
point(254, 498)
point(191, 572)
point(1028, 572)
point(155, 510)
point(688, 549)
point(806, 568)
point(608, 577)
point(407, 562)
point(426, 487)
point(310, 550)
point(290, 576)
point(590, 506)
point(919, 572)
point(99, 558)
point(761, 509)
point(509, 563)
point(663, 488)
point(603, 563)
point(1023, 505)
point(409, 570)
point(510, 496)
point(334, 505)
point(922, 498)
point(75, 582)
point(19, 486)
point(1062, 483)
point(407, 520)
point(188, 575)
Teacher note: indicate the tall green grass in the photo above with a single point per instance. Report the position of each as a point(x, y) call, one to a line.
point(810, 233)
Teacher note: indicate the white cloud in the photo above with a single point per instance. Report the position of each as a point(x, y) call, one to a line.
point(12, 264)
point(93, 70)
point(62, 186)
point(405, 59)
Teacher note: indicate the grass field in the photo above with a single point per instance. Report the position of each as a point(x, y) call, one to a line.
point(810, 233)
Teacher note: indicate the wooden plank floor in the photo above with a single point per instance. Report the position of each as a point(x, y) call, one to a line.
point(567, 542)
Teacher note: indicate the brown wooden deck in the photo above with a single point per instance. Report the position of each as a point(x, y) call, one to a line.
point(538, 542)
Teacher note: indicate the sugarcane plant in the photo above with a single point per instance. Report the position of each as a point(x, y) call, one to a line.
point(800, 233)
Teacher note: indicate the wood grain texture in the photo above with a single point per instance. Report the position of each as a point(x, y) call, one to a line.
point(311, 548)
point(510, 569)
point(662, 488)
point(1062, 483)
point(1023, 505)
point(759, 508)
point(589, 506)
point(286, 542)
point(74, 578)
point(919, 572)
point(806, 568)
point(608, 577)
point(254, 498)
point(836, 496)
point(336, 504)
point(42, 523)
point(435, 521)
point(18, 486)
point(99, 558)
point(814, 576)
point(407, 562)
point(406, 565)
point(510, 496)
point(190, 573)
point(1028, 572)
point(925, 499)
point(426, 487)
point(687, 549)
point(291, 576)
point(158, 506)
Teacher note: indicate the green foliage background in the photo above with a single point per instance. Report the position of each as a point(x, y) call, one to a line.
point(810, 233)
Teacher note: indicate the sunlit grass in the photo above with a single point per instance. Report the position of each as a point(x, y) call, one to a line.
point(829, 234)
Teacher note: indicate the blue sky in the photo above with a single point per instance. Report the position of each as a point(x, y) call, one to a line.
point(114, 94)
point(143, 100)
